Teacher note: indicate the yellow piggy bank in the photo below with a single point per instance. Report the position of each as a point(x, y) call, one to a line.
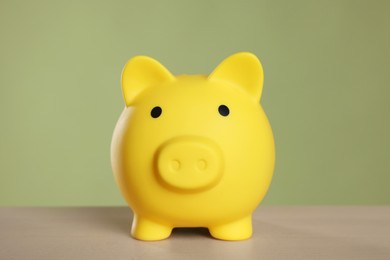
point(193, 150)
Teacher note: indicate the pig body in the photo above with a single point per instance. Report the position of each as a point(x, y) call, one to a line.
point(193, 150)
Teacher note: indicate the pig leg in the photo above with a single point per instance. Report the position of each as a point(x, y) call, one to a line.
point(237, 230)
point(145, 229)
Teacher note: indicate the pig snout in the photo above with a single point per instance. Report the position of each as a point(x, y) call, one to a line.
point(189, 163)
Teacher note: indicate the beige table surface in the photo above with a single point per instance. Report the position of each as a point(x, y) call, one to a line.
point(280, 232)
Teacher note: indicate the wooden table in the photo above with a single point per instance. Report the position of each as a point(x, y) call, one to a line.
point(280, 232)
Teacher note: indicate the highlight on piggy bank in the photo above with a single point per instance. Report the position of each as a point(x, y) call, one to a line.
point(193, 150)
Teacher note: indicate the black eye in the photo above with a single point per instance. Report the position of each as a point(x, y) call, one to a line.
point(156, 112)
point(223, 110)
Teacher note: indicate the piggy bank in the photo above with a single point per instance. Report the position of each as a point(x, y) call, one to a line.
point(193, 150)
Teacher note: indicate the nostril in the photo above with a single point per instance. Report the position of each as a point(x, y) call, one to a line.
point(202, 164)
point(175, 164)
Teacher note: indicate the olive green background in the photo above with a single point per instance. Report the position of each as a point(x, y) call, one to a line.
point(327, 90)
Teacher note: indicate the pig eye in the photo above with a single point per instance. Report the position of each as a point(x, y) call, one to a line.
point(223, 110)
point(156, 112)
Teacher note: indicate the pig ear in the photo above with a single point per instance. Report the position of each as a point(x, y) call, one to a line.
point(140, 73)
point(244, 70)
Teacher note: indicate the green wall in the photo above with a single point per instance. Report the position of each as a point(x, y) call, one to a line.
point(327, 90)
